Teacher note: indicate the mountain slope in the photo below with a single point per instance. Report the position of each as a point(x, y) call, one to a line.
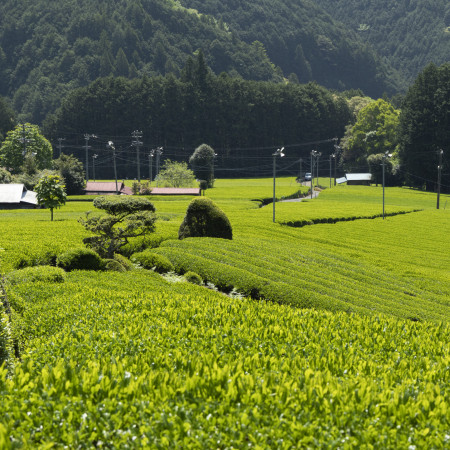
point(409, 34)
point(49, 47)
point(303, 39)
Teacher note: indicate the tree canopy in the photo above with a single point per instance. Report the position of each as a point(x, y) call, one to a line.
point(23, 141)
point(425, 128)
point(375, 132)
point(126, 217)
point(202, 160)
point(50, 192)
point(175, 174)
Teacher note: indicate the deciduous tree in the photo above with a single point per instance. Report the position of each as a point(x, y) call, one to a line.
point(50, 192)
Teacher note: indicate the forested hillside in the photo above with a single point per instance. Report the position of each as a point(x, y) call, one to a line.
point(303, 39)
point(49, 47)
point(407, 33)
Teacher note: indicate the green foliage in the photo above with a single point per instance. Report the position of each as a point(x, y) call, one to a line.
point(182, 116)
point(79, 259)
point(7, 115)
point(6, 343)
point(153, 261)
point(193, 278)
point(198, 367)
point(202, 161)
point(126, 217)
point(72, 172)
point(175, 174)
point(408, 34)
point(38, 273)
point(51, 193)
point(112, 265)
point(425, 128)
point(375, 132)
point(25, 141)
point(5, 176)
point(205, 219)
point(125, 262)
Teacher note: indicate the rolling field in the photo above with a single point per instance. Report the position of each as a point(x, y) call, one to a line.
point(341, 340)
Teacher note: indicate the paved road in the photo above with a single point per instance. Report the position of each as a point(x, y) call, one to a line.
point(315, 194)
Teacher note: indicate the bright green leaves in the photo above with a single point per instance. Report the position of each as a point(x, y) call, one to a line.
point(50, 192)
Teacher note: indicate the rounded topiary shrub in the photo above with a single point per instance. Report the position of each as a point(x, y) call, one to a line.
point(153, 261)
point(111, 265)
point(39, 273)
point(79, 259)
point(205, 219)
point(125, 262)
point(193, 278)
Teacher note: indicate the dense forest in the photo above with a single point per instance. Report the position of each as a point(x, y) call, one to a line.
point(244, 121)
point(49, 47)
point(408, 34)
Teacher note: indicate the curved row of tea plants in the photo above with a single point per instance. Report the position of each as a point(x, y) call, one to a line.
point(131, 361)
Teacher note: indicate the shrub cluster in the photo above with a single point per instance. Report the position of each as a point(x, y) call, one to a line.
point(205, 219)
point(153, 261)
point(37, 273)
point(79, 259)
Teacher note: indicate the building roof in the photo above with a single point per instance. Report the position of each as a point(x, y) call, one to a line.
point(107, 187)
point(341, 180)
point(175, 191)
point(358, 176)
point(17, 193)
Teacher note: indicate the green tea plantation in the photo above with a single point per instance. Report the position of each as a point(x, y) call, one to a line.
point(336, 335)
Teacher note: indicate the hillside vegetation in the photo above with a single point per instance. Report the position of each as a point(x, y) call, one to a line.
point(408, 34)
point(48, 48)
point(131, 360)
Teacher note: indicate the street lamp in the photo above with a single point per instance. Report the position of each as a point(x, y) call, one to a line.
point(314, 154)
point(94, 157)
point(385, 156)
point(87, 147)
point(150, 165)
point(279, 153)
point(110, 145)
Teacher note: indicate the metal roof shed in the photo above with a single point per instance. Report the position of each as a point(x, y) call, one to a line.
point(15, 196)
point(358, 178)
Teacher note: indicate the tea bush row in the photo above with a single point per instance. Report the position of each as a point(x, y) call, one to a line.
point(133, 361)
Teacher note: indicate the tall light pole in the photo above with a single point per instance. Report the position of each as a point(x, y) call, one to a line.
point(150, 165)
point(137, 135)
point(279, 153)
point(385, 156)
point(158, 153)
point(314, 154)
point(94, 157)
point(110, 145)
point(60, 146)
point(337, 151)
point(87, 147)
point(440, 153)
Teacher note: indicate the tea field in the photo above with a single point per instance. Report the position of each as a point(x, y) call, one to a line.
point(340, 341)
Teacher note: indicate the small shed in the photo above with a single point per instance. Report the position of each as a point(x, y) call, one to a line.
point(175, 191)
point(361, 179)
point(17, 196)
point(107, 188)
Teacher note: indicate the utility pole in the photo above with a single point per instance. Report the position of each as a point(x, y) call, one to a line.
point(137, 135)
point(318, 155)
point(386, 155)
point(312, 170)
point(60, 146)
point(158, 153)
point(111, 146)
point(337, 150)
point(279, 153)
point(440, 154)
point(301, 171)
point(87, 147)
point(150, 165)
point(94, 157)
